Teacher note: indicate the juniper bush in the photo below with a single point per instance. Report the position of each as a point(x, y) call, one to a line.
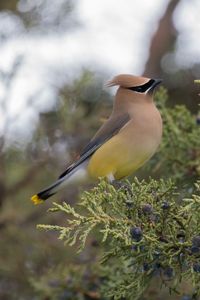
point(153, 229)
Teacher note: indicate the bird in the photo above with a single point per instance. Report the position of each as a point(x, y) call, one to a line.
point(125, 142)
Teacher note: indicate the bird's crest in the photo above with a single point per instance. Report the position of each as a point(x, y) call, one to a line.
point(126, 81)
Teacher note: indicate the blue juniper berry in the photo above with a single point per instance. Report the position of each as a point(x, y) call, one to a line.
point(195, 249)
point(165, 205)
point(168, 272)
point(147, 209)
point(198, 120)
point(196, 267)
point(186, 297)
point(196, 241)
point(146, 267)
point(136, 233)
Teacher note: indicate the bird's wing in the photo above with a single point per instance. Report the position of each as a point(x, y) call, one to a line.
point(107, 131)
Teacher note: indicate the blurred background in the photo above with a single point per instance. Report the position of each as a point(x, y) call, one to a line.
point(55, 57)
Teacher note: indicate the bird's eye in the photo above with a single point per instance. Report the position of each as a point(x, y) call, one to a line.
point(142, 88)
point(139, 89)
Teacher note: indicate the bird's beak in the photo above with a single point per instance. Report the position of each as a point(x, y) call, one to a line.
point(156, 82)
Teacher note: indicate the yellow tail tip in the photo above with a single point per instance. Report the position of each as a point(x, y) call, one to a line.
point(36, 200)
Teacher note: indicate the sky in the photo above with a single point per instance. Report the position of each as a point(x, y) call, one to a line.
point(111, 36)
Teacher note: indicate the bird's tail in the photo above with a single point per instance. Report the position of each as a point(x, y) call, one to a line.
point(76, 174)
point(48, 192)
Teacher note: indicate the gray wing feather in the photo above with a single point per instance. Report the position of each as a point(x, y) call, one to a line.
point(107, 131)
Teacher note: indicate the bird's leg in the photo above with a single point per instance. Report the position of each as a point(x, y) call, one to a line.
point(113, 181)
point(110, 178)
point(118, 185)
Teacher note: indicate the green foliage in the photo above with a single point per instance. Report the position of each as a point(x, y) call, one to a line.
point(76, 281)
point(179, 153)
point(146, 229)
point(165, 248)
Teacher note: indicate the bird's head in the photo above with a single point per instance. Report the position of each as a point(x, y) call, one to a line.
point(142, 85)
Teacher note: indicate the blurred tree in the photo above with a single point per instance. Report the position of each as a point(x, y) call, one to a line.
point(8, 5)
point(179, 83)
point(44, 16)
point(162, 41)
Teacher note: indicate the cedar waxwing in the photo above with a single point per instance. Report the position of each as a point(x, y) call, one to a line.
point(124, 142)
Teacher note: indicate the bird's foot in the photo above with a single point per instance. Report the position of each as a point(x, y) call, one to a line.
point(124, 186)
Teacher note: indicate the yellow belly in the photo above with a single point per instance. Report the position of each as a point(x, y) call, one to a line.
point(114, 157)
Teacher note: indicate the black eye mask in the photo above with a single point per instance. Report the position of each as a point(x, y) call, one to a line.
point(142, 88)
